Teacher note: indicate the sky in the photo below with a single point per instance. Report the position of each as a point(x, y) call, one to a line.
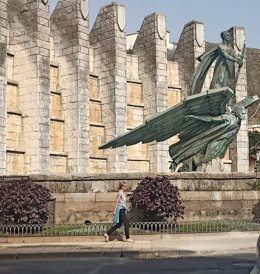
point(217, 15)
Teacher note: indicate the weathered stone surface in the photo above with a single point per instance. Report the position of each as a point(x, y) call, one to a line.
point(239, 154)
point(188, 50)
point(79, 197)
point(100, 186)
point(70, 45)
point(61, 133)
point(105, 197)
point(3, 82)
point(211, 197)
point(253, 81)
point(29, 42)
point(110, 64)
point(215, 195)
point(151, 49)
point(59, 197)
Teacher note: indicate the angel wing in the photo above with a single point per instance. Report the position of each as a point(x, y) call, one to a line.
point(172, 121)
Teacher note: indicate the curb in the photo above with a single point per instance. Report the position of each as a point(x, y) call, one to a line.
point(119, 254)
point(131, 254)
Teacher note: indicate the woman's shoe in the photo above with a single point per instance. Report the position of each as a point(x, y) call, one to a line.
point(129, 240)
point(106, 237)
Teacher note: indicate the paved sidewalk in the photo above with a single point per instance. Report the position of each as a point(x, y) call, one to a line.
point(144, 246)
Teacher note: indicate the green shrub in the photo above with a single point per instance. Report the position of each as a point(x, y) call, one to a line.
point(157, 199)
point(23, 202)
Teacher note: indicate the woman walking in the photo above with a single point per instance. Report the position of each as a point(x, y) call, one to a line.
point(120, 214)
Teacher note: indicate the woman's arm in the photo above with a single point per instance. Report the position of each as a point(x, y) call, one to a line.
point(117, 202)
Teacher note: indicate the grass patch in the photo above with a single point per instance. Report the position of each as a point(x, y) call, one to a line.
point(140, 229)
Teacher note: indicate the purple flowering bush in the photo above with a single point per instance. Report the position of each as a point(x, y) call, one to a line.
point(23, 202)
point(157, 199)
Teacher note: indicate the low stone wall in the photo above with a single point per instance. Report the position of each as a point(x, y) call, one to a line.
point(205, 196)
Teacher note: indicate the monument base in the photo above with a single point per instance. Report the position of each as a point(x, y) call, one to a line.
point(214, 166)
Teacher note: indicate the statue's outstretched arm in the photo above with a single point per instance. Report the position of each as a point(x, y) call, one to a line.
point(208, 119)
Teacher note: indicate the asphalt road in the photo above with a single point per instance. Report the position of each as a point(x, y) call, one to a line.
point(237, 264)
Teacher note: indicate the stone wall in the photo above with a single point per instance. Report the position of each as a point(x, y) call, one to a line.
point(190, 46)
point(253, 82)
point(69, 29)
point(151, 49)
point(108, 38)
point(28, 87)
point(3, 80)
point(70, 89)
point(239, 148)
point(205, 196)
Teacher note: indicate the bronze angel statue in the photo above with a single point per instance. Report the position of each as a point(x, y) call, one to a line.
point(205, 122)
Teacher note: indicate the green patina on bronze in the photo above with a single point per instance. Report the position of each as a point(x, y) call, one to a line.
point(225, 57)
point(205, 122)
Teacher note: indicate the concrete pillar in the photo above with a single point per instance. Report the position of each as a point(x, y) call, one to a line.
point(3, 81)
point(190, 46)
point(151, 49)
point(239, 149)
point(108, 39)
point(70, 31)
point(30, 42)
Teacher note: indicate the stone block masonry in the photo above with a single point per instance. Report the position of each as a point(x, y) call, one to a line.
point(108, 40)
point(29, 41)
point(70, 32)
point(151, 49)
point(3, 82)
point(239, 149)
point(190, 46)
point(253, 82)
point(220, 196)
point(65, 90)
